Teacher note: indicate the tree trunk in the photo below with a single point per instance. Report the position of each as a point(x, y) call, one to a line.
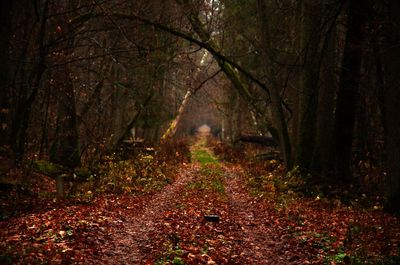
point(126, 131)
point(392, 103)
point(6, 15)
point(326, 104)
point(309, 84)
point(348, 91)
point(173, 126)
point(29, 89)
point(171, 130)
point(278, 116)
point(65, 149)
point(238, 83)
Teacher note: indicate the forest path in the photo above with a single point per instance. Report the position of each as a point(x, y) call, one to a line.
point(262, 241)
point(171, 227)
point(252, 224)
point(130, 242)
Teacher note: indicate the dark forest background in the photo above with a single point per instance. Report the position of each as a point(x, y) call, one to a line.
point(80, 77)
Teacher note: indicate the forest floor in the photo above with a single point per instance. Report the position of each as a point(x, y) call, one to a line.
point(208, 215)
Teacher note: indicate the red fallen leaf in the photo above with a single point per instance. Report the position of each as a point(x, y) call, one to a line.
point(15, 238)
point(192, 249)
point(191, 258)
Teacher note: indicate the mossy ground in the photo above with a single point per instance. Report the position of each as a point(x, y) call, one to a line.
point(211, 173)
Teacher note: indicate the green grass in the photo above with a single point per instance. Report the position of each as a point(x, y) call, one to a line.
point(217, 185)
point(211, 178)
point(204, 184)
point(197, 185)
point(173, 254)
point(211, 173)
point(203, 156)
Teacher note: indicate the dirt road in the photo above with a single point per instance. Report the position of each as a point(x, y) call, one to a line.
point(171, 227)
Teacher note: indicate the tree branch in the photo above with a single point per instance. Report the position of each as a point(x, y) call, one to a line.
point(200, 43)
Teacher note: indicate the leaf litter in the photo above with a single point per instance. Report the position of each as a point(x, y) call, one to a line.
point(168, 227)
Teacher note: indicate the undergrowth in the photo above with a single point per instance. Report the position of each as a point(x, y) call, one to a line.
point(173, 253)
point(149, 170)
point(367, 234)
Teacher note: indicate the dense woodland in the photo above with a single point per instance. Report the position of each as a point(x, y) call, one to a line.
point(81, 81)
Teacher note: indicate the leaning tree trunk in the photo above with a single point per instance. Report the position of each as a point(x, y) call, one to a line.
point(171, 130)
point(348, 90)
point(229, 68)
point(173, 126)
